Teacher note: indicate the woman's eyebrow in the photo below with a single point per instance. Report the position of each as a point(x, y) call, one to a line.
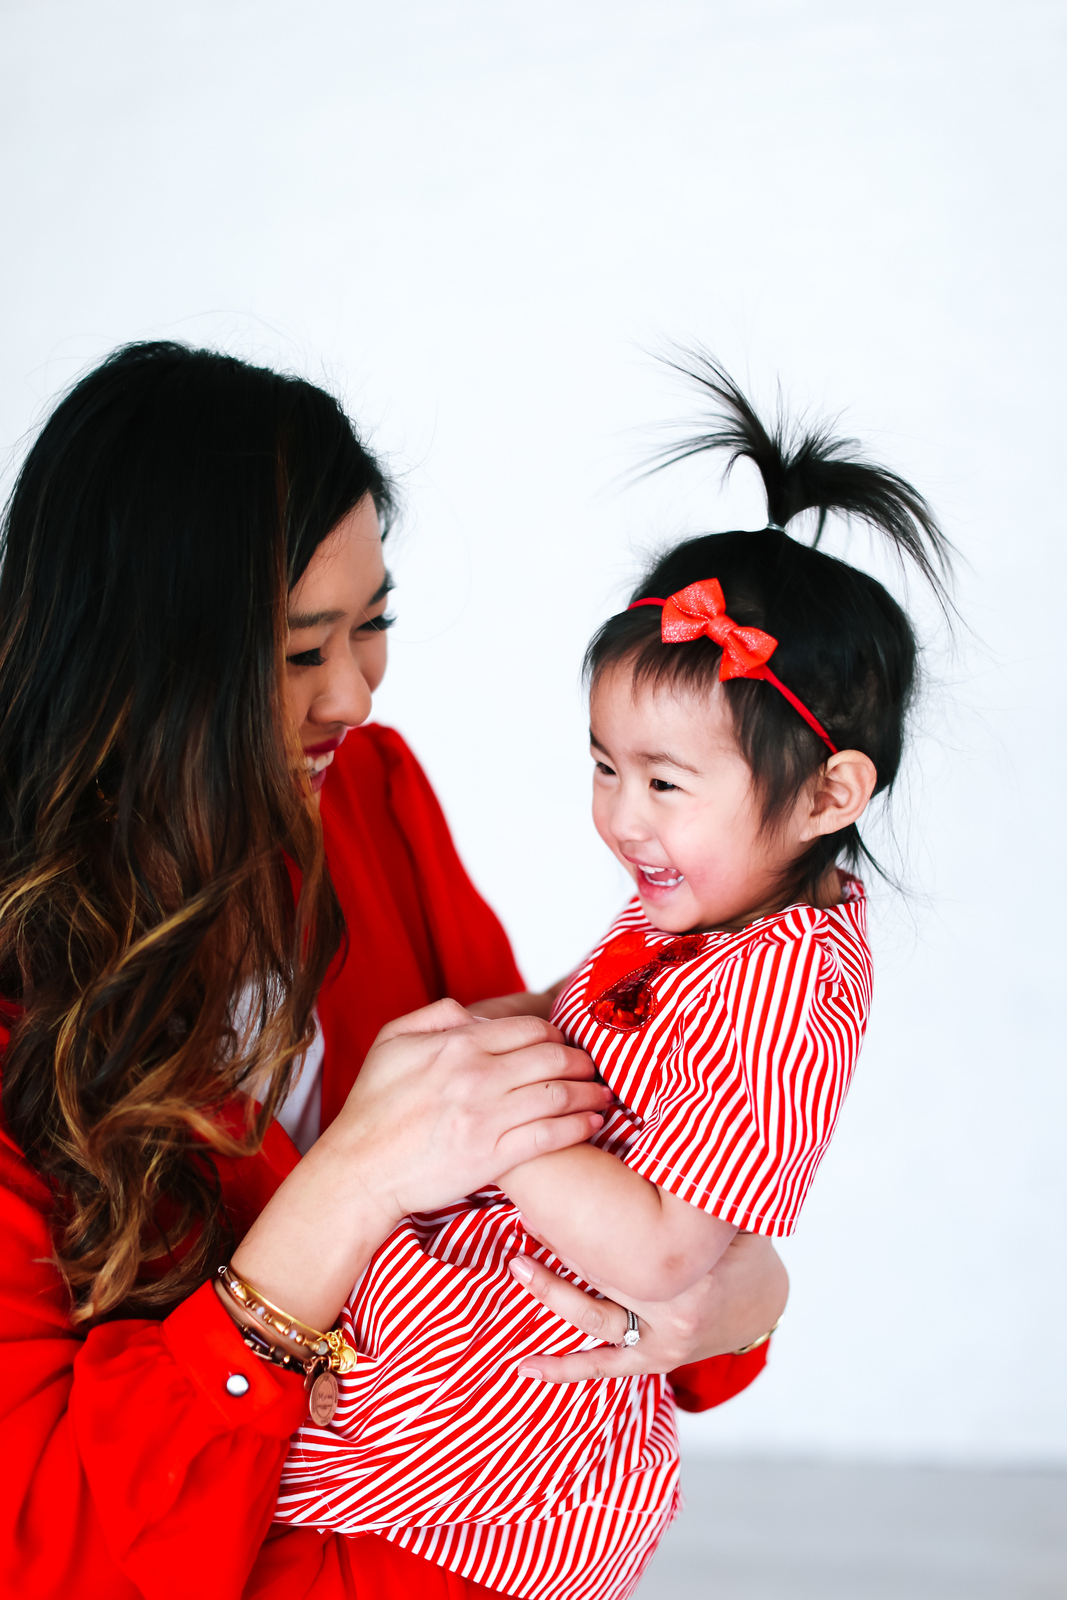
point(319, 619)
point(312, 619)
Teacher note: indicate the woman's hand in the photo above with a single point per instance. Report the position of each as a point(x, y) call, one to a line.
point(736, 1302)
point(444, 1101)
point(443, 1105)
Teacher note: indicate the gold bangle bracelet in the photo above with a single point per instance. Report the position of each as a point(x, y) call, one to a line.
point(268, 1343)
point(745, 1348)
point(312, 1345)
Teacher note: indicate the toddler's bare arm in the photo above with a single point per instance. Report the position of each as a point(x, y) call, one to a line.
point(526, 1004)
point(614, 1226)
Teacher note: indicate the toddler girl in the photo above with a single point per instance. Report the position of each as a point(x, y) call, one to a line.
point(744, 708)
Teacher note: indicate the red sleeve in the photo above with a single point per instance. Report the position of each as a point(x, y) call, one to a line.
point(468, 938)
point(417, 927)
point(704, 1384)
point(129, 1472)
point(128, 1469)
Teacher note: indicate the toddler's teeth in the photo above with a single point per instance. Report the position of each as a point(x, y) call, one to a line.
point(653, 875)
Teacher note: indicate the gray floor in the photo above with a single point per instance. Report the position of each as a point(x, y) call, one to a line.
point(773, 1530)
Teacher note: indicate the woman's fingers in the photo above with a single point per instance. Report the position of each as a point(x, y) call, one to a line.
point(600, 1319)
point(564, 1106)
point(605, 1362)
point(740, 1299)
point(441, 1017)
point(553, 1132)
point(445, 1104)
point(549, 1095)
point(500, 1036)
point(544, 1061)
point(522, 1049)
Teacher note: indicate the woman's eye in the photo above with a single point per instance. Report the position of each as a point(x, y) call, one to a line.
point(307, 658)
point(377, 624)
point(661, 785)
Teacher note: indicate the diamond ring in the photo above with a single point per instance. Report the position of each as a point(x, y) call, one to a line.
point(632, 1335)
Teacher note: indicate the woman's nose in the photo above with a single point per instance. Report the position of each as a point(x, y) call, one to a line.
point(344, 697)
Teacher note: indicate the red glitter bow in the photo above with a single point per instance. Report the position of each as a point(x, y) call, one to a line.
point(699, 611)
point(619, 987)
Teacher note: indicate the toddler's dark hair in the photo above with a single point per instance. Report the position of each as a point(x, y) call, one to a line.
point(845, 646)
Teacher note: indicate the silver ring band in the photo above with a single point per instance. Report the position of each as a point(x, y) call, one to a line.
point(632, 1335)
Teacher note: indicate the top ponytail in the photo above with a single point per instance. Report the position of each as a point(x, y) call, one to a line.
point(811, 470)
point(845, 648)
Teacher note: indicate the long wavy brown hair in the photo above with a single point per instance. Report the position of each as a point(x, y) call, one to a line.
point(153, 818)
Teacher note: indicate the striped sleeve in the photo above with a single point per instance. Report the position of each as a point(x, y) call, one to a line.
point(754, 1082)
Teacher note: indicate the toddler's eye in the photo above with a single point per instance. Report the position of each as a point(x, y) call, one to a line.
point(307, 658)
point(661, 785)
point(602, 766)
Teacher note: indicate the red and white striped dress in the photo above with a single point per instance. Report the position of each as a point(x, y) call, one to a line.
point(727, 1097)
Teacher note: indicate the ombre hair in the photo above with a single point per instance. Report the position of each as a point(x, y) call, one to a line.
point(153, 819)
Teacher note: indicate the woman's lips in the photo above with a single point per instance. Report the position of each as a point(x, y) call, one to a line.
point(318, 758)
point(316, 769)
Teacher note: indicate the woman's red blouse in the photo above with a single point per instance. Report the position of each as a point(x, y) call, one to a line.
point(128, 1468)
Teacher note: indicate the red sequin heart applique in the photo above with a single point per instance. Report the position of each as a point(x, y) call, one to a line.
point(629, 1001)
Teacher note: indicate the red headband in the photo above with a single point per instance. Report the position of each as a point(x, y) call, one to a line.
point(699, 610)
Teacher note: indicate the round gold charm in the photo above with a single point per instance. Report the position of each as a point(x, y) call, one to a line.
point(342, 1356)
point(322, 1400)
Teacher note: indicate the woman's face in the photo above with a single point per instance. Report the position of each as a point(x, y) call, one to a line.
point(336, 654)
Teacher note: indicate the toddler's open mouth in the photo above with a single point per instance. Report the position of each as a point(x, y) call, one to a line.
point(660, 877)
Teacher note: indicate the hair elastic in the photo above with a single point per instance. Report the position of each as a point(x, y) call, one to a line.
point(699, 611)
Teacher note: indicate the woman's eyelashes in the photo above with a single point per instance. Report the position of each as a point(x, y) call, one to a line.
point(377, 624)
point(315, 657)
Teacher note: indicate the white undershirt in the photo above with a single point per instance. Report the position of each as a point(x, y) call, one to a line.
point(301, 1112)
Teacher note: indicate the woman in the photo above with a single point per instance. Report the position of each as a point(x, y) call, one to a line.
point(190, 621)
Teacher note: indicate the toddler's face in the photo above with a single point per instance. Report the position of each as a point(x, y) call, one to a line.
point(673, 799)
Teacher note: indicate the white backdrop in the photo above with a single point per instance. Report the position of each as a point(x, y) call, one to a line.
point(476, 221)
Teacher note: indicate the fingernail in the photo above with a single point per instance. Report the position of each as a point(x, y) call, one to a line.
point(522, 1269)
point(530, 1372)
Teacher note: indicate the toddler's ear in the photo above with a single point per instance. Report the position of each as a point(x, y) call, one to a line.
point(841, 793)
